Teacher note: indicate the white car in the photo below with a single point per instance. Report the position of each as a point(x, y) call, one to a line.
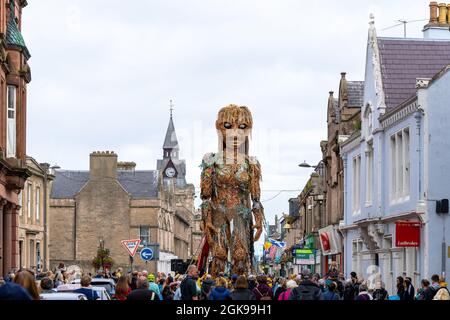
point(63, 296)
point(101, 291)
point(108, 284)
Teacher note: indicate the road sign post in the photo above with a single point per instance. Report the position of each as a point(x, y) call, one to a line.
point(131, 248)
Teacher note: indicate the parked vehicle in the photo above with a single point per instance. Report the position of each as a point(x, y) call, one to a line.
point(101, 291)
point(108, 284)
point(63, 296)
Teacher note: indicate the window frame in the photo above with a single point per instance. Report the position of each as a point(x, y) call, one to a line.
point(11, 153)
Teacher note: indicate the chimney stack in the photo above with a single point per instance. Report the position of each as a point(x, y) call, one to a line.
point(126, 166)
point(439, 24)
point(103, 165)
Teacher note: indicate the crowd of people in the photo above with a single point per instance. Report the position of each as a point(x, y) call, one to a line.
point(142, 285)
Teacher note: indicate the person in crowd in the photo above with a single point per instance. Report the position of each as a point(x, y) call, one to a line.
point(122, 289)
point(307, 290)
point(233, 281)
point(25, 278)
point(241, 291)
point(188, 286)
point(86, 288)
point(425, 292)
point(47, 285)
point(13, 291)
point(380, 292)
point(220, 291)
point(262, 290)
point(290, 285)
point(133, 280)
point(401, 288)
point(142, 291)
point(333, 272)
point(409, 292)
point(153, 286)
point(206, 287)
point(119, 273)
point(167, 293)
point(177, 290)
point(280, 288)
point(363, 293)
point(442, 293)
point(252, 282)
point(331, 292)
point(351, 288)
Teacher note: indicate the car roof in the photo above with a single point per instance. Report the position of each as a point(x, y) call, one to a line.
point(62, 296)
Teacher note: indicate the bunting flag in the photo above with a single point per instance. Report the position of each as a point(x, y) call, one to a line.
point(279, 244)
point(267, 245)
point(273, 252)
point(203, 256)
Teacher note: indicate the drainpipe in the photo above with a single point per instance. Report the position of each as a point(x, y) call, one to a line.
point(45, 166)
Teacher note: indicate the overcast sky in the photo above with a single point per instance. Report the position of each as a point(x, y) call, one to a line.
point(104, 72)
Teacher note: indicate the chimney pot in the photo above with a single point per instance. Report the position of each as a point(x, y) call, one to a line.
point(433, 12)
point(331, 93)
point(442, 13)
point(343, 74)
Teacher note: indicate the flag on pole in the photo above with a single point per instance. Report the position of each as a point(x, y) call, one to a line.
point(279, 244)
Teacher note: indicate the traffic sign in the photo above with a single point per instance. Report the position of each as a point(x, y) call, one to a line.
point(131, 246)
point(146, 254)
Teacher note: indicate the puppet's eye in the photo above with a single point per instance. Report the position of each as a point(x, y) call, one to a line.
point(227, 125)
point(242, 126)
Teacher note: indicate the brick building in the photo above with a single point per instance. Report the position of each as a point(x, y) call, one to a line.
point(14, 77)
point(113, 202)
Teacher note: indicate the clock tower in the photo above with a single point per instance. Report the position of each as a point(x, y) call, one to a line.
point(170, 165)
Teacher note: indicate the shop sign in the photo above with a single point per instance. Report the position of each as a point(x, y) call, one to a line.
point(407, 233)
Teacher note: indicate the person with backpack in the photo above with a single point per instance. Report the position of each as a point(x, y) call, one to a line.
point(442, 293)
point(262, 291)
point(351, 289)
point(290, 284)
point(280, 289)
point(307, 290)
point(425, 293)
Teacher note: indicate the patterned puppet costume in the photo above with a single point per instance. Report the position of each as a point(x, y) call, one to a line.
point(230, 192)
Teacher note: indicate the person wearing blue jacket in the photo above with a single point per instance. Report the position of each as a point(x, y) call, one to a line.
point(220, 291)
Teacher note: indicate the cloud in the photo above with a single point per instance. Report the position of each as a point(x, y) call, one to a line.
point(103, 75)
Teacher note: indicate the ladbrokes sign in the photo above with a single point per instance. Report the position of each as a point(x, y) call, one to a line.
point(407, 234)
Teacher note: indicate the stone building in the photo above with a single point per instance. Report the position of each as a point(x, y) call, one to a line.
point(14, 77)
point(113, 202)
point(343, 119)
point(33, 217)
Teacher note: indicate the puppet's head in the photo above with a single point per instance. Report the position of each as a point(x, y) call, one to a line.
point(234, 125)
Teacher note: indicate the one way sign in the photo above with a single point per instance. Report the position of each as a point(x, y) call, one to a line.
point(131, 246)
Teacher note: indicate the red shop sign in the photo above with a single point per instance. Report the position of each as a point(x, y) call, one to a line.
point(407, 234)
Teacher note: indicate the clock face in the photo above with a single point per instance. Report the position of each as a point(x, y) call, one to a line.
point(170, 172)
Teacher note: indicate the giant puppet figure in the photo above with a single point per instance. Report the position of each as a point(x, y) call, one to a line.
point(230, 193)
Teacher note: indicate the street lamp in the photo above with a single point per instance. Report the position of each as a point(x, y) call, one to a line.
point(305, 165)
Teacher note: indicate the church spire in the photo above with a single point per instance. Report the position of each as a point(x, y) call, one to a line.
point(171, 141)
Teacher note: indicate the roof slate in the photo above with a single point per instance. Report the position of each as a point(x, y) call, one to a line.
point(405, 60)
point(140, 184)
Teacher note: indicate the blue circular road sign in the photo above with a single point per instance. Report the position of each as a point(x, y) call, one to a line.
point(146, 254)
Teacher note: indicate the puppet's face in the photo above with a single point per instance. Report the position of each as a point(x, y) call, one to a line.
point(234, 126)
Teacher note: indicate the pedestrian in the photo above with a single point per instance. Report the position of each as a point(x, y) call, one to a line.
point(47, 285)
point(241, 291)
point(333, 272)
point(425, 292)
point(86, 288)
point(220, 291)
point(307, 290)
point(153, 286)
point(380, 292)
point(252, 282)
point(206, 287)
point(122, 289)
point(13, 291)
point(290, 284)
point(167, 293)
point(364, 293)
point(262, 290)
point(233, 281)
point(142, 291)
point(188, 286)
point(409, 292)
point(282, 287)
point(25, 278)
point(177, 290)
point(401, 288)
point(442, 293)
point(331, 293)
